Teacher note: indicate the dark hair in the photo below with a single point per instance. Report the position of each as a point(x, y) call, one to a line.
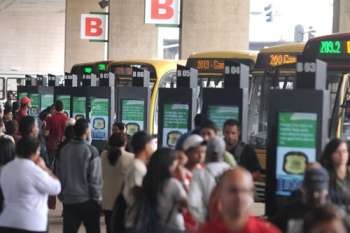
point(26, 125)
point(231, 122)
point(58, 105)
point(119, 125)
point(331, 147)
point(8, 150)
point(69, 133)
point(139, 141)
point(209, 125)
point(44, 113)
point(15, 107)
point(198, 120)
point(80, 127)
point(11, 127)
point(320, 215)
point(27, 146)
point(158, 173)
point(115, 141)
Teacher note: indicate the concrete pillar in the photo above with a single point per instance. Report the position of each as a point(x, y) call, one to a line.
point(214, 25)
point(129, 36)
point(344, 16)
point(77, 50)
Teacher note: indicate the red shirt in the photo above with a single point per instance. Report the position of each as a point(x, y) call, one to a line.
point(55, 125)
point(21, 113)
point(253, 225)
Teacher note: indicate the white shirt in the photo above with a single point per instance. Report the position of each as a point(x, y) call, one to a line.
point(202, 184)
point(113, 177)
point(26, 188)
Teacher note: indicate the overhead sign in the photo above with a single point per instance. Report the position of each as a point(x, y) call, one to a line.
point(93, 27)
point(162, 12)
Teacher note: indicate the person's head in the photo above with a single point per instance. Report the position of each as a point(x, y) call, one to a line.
point(28, 127)
point(236, 193)
point(315, 186)
point(44, 113)
point(11, 127)
point(81, 128)
point(9, 95)
point(8, 150)
point(58, 106)
point(69, 133)
point(324, 219)
point(198, 120)
point(231, 132)
point(142, 144)
point(215, 150)
point(25, 102)
point(28, 148)
point(159, 170)
point(118, 127)
point(116, 142)
point(208, 130)
point(335, 154)
point(194, 147)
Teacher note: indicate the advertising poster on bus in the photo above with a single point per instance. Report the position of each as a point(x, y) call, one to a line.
point(133, 115)
point(175, 123)
point(35, 105)
point(219, 114)
point(99, 119)
point(46, 101)
point(296, 146)
point(66, 103)
point(79, 107)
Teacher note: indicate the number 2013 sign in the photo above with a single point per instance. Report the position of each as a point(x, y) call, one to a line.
point(162, 12)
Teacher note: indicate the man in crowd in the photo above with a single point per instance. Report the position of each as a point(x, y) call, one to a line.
point(314, 193)
point(243, 153)
point(204, 180)
point(23, 110)
point(54, 131)
point(235, 196)
point(80, 173)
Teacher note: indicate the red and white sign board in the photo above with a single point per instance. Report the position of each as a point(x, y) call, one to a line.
point(162, 12)
point(93, 27)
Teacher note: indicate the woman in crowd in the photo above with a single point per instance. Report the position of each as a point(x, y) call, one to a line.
point(335, 159)
point(115, 162)
point(26, 193)
point(12, 129)
point(163, 194)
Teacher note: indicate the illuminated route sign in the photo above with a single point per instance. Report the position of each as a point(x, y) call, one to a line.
point(334, 47)
point(282, 59)
point(102, 67)
point(87, 70)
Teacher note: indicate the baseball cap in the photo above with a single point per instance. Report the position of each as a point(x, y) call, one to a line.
point(193, 141)
point(25, 100)
point(216, 146)
point(316, 179)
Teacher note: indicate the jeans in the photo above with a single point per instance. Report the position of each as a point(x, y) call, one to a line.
point(87, 213)
point(108, 216)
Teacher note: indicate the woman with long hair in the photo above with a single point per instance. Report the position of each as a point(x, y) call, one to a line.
point(115, 162)
point(335, 159)
point(163, 196)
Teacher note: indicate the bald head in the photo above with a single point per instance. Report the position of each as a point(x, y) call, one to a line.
point(236, 192)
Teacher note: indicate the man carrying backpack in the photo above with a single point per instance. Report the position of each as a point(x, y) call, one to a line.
point(80, 173)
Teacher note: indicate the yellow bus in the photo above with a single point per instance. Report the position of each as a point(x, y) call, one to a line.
point(162, 74)
point(211, 64)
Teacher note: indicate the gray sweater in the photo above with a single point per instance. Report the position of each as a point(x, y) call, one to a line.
point(79, 169)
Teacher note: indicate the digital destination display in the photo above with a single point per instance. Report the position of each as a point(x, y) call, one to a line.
point(334, 47)
point(87, 70)
point(296, 146)
point(282, 59)
point(102, 67)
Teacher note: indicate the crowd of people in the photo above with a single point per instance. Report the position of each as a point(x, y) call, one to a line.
point(204, 185)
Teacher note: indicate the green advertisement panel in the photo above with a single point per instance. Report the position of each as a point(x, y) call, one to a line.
point(46, 101)
point(66, 103)
point(219, 114)
point(99, 119)
point(133, 115)
point(175, 123)
point(79, 107)
point(35, 105)
point(296, 146)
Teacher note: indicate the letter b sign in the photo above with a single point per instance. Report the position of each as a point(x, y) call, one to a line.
point(93, 26)
point(162, 12)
